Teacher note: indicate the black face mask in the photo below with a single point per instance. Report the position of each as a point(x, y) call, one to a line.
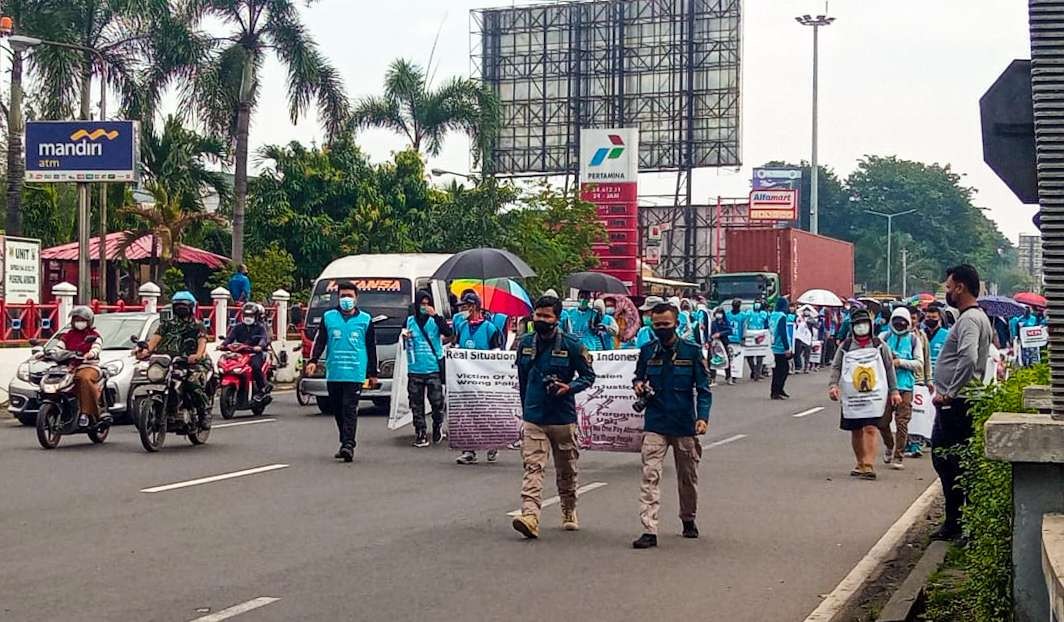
point(950, 300)
point(931, 324)
point(544, 329)
point(182, 311)
point(664, 334)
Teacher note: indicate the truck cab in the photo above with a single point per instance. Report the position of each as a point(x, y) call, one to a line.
point(746, 286)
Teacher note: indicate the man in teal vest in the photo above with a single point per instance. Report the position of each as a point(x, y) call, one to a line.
point(476, 332)
point(781, 348)
point(588, 324)
point(908, 358)
point(424, 334)
point(756, 319)
point(936, 333)
point(347, 340)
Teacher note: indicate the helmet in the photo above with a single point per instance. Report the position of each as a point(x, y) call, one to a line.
point(183, 297)
point(253, 309)
point(81, 312)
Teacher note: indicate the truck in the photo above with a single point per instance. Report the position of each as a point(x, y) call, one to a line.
point(768, 263)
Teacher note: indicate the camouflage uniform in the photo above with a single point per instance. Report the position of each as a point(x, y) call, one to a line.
point(181, 338)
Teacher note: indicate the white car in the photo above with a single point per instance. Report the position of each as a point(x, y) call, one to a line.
point(117, 357)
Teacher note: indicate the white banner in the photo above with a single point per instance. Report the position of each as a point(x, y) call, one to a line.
point(737, 361)
point(757, 343)
point(923, 412)
point(816, 353)
point(399, 414)
point(863, 384)
point(1034, 336)
point(21, 270)
point(484, 406)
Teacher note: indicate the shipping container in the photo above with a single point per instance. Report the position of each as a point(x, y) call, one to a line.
point(804, 261)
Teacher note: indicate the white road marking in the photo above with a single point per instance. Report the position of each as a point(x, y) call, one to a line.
point(236, 423)
point(730, 439)
point(555, 500)
point(811, 411)
point(236, 610)
point(876, 557)
point(215, 478)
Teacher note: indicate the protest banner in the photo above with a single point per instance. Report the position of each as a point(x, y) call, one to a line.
point(1034, 336)
point(399, 413)
point(923, 412)
point(483, 403)
point(816, 353)
point(757, 343)
point(738, 361)
point(604, 412)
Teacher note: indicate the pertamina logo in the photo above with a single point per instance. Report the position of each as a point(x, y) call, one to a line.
point(609, 153)
point(82, 143)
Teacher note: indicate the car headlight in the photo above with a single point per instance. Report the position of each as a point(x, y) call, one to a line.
point(24, 372)
point(156, 372)
point(114, 367)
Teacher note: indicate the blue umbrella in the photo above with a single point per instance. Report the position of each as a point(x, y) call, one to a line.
point(1001, 306)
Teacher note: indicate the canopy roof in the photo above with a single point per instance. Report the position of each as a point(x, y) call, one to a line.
point(140, 250)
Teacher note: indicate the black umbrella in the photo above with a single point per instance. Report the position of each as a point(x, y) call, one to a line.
point(483, 263)
point(596, 282)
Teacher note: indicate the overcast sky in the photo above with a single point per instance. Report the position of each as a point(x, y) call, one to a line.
point(900, 77)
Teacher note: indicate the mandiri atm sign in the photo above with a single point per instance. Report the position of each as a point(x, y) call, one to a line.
point(58, 151)
point(774, 205)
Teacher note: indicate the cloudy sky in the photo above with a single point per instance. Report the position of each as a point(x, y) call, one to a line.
point(900, 77)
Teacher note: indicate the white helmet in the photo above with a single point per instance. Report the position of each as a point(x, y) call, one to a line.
point(81, 312)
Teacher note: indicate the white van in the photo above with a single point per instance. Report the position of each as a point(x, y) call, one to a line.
point(386, 284)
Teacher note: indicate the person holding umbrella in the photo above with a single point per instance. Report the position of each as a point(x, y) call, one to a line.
point(476, 332)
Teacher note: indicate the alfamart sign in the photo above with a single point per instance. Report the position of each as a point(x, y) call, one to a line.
point(63, 151)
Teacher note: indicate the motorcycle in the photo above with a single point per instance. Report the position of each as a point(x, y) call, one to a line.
point(165, 406)
point(237, 380)
point(59, 415)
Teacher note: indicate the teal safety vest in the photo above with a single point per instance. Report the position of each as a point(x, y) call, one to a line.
point(735, 321)
point(578, 324)
point(935, 343)
point(757, 320)
point(780, 343)
point(425, 358)
point(345, 352)
point(478, 339)
point(902, 347)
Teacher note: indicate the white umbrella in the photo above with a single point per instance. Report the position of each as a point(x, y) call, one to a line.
point(820, 298)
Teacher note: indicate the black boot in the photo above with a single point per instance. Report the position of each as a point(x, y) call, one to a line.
point(437, 434)
point(690, 530)
point(645, 541)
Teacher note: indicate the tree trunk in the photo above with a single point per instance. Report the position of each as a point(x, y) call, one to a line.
point(16, 166)
point(240, 180)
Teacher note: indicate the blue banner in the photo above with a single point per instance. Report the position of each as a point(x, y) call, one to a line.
point(58, 151)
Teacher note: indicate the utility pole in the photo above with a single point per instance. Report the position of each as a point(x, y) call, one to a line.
point(904, 273)
point(890, 234)
point(103, 194)
point(814, 176)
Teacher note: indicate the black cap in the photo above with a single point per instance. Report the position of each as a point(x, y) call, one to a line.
point(470, 298)
point(860, 315)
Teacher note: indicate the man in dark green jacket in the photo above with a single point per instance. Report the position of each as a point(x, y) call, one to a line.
point(670, 374)
point(552, 367)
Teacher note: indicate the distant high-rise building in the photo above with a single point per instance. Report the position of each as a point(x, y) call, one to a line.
point(1030, 248)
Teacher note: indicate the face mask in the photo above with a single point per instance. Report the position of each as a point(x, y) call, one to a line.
point(719, 316)
point(182, 311)
point(544, 329)
point(900, 328)
point(664, 334)
point(610, 310)
point(249, 320)
point(950, 300)
point(862, 329)
point(646, 320)
point(931, 324)
point(424, 309)
point(757, 307)
point(347, 303)
point(584, 304)
point(80, 324)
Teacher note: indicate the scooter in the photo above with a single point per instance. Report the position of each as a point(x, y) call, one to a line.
point(238, 380)
point(59, 415)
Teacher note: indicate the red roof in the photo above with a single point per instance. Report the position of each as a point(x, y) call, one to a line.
point(137, 251)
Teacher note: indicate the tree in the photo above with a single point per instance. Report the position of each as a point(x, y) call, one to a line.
point(225, 91)
point(272, 268)
point(411, 107)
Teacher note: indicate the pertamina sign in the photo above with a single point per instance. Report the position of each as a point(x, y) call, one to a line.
point(609, 156)
point(609, 178)
point(774, 205)
point(63, 151)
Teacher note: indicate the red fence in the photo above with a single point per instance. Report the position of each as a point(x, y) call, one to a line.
point(22, 322)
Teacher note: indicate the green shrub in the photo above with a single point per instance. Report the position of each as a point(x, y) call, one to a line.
point(985, 591)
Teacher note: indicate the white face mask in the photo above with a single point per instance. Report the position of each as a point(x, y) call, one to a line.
point(80, 324)
point(249, 320)
point(862, 329)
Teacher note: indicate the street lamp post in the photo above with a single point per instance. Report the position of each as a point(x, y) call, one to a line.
point(439, 172)
point(890, 233)
point(814, 206)
point(21, 43)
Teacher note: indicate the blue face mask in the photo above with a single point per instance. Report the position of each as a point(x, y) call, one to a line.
point(347, 303)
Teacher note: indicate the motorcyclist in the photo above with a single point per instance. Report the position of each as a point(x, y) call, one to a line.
point(83, 339)
point(252, 332)
point(184, 335)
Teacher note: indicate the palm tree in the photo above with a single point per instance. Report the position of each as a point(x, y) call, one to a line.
point(176, 175)
point(410, 106)
point(226, 91)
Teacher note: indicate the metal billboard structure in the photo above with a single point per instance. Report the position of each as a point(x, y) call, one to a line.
point(670, 68)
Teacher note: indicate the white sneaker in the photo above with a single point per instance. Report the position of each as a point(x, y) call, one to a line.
point(897, 465)
point(467, 457)
point(888, 455)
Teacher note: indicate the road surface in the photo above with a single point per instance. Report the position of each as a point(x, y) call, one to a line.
point(406, 534)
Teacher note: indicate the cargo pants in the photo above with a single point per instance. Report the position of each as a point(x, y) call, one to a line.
point(539, 441)
point(687, 452)
point(901, 414)
point(417, 386)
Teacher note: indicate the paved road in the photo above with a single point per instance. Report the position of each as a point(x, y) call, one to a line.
point(405, 534)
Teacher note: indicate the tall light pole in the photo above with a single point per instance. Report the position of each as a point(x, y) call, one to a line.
point(890, 233)
point(814, 207)
point(20, 43)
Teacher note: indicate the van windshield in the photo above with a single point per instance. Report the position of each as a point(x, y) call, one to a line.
point(746, 287)
point(373, 294)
